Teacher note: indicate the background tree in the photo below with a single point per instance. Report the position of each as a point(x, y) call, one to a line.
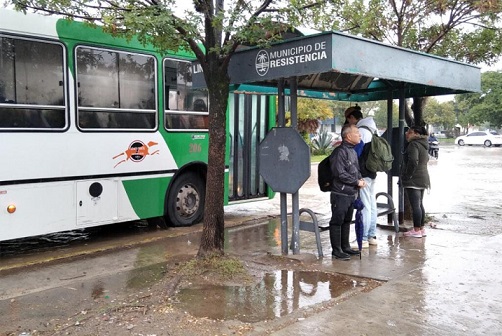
point(380, 114)
point(367, 109)
point(465, 30)
point(212, 32)
point(310, 111)
point(440, 115)
point(484, 107)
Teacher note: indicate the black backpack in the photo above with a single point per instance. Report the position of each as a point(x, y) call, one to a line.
point(324, 175)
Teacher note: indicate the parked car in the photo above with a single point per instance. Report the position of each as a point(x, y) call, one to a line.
point(485, 138)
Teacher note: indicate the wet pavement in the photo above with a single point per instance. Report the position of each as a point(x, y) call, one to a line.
point(448, 283)
point(278, 294)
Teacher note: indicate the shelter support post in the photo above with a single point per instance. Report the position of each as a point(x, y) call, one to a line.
point(284, 224)
point(293, 87)
point(281, 117)
point(390, 113)
point(402, 101)
point(284, 201)
point(296, 222)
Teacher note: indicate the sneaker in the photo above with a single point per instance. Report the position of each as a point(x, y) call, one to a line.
point(372, 241)
point(413, 233)
point(424, 234)
point(356, 247)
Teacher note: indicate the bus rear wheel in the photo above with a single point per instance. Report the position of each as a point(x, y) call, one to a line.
point(186, 198)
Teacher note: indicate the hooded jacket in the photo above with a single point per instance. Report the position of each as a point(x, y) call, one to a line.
point(414, 173)
point(366, 136)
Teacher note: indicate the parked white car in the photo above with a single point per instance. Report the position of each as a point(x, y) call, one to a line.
point(484, 138)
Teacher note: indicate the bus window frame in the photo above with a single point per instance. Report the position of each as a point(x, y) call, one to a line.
point(181, 113)
point(78, 108)
point(42, 107)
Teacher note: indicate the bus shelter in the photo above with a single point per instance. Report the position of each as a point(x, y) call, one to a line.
point(337, 66)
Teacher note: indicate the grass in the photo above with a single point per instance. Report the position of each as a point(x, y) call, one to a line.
point(224, 266)
point(316, 158)
point(447, 141)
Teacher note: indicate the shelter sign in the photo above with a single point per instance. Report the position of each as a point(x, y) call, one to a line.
point(292, 58)
point(296, 57)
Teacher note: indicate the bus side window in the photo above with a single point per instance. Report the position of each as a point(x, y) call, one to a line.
point(33, 81)
point(122, 99)
point(181, 100)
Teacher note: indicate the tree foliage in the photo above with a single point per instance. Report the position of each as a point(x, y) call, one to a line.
point(212, 30)
point(310, 111)
point(380, 114)
point(483, 107)
point(440, 115)
point(465, 30)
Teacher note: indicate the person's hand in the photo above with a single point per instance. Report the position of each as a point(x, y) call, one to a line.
point(361, 183)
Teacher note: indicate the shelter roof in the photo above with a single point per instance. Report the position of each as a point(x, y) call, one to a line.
point(339, 66)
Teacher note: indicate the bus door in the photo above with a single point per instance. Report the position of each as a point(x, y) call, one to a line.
point(248, 125)
point(96, 202)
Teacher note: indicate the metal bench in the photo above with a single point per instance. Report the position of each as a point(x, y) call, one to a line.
point(383, 209)
point(310, 227)
point(388, 208)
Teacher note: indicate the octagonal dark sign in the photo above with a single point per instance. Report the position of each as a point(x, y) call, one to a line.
point(284, 160)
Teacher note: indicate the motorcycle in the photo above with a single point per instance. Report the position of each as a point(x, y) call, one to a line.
point(434, 149)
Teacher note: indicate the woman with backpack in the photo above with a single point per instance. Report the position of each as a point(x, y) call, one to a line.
point(415, 176)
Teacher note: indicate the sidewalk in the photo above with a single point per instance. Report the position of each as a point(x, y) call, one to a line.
point(444, 284)
point(447, 283)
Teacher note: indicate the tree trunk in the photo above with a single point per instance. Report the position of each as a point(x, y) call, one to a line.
point(212, 240)
point(414, 116)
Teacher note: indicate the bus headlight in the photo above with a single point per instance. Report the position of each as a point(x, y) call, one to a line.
point(11, 208)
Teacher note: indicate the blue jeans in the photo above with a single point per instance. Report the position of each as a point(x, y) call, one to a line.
point(368, 198)
point(416, 196)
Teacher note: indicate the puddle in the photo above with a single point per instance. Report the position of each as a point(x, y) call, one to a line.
point(278, 294)
point(146, 276)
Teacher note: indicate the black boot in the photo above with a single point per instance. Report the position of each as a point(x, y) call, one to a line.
point(345, 240)
point(336, 239)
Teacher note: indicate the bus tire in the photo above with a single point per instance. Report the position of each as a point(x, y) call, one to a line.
point(185, 202)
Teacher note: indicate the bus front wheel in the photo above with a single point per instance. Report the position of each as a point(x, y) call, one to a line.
point(186, 200)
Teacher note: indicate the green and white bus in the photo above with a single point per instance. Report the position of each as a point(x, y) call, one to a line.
point(96, 130)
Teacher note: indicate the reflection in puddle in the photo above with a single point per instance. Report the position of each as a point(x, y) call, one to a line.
point(277, 294)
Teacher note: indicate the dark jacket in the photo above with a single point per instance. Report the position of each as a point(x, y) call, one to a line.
point(345, 169)
point(414, 172)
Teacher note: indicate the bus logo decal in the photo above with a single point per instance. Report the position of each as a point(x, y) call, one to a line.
point(137, 151)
